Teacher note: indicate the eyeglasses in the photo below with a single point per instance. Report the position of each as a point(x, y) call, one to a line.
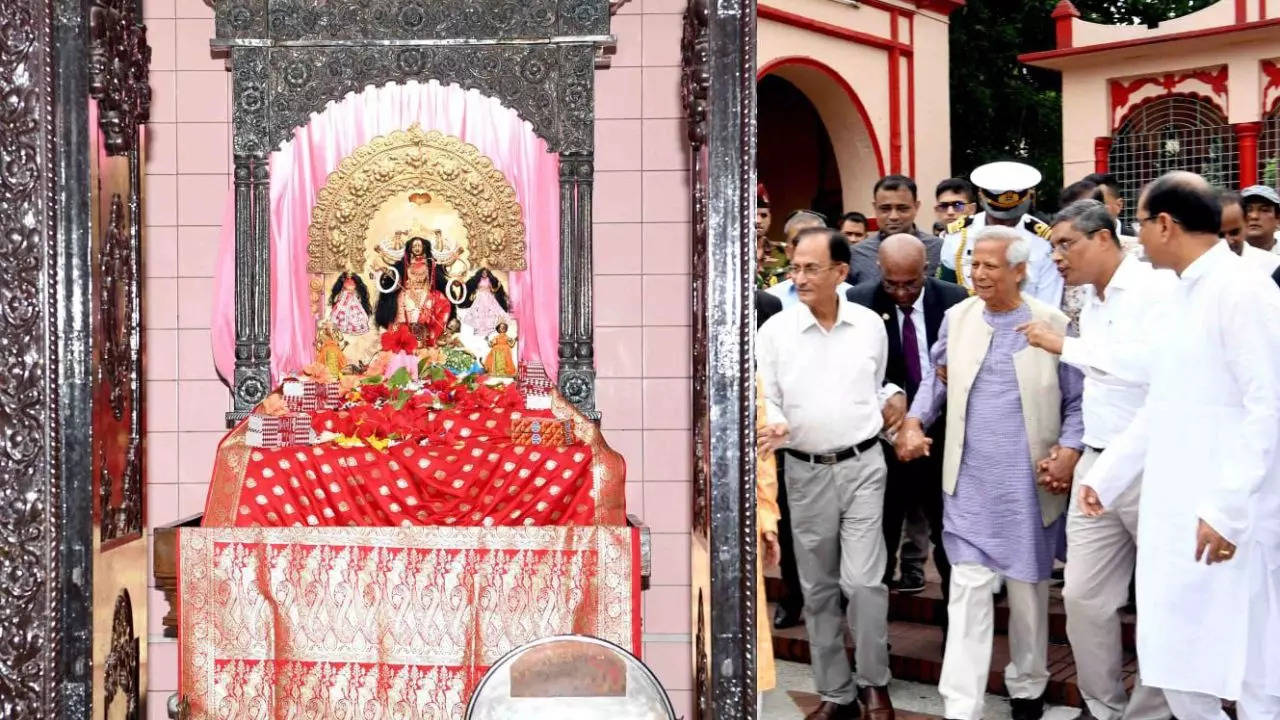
point(957, 205)
point(1139, 222)
point(909, 286)
point(808, 270)
point(1066, 245)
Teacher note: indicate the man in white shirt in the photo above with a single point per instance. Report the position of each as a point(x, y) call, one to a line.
point(1206, 441)
point(799, 220)
point(823, 365)
point(1233, 234)
point(1115, 324)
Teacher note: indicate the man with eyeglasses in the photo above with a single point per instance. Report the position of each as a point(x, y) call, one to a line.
point(823, 363)
point(1207, 446)
point(896, 204)
point(797, 221)
point(1117, 319)
point(911, 305)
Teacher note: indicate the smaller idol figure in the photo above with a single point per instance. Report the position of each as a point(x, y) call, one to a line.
point(349, 308)
point(416, 296)
point(486, 303)
point(329, 349)
point(499, 362)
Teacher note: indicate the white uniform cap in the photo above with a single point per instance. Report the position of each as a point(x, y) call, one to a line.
point(1005, 176)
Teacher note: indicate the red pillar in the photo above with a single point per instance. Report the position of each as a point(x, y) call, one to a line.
point(1247, 149)
point(1101, 154)
point(1063, 13)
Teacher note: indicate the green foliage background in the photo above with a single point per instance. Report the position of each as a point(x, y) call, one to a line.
point(1004, 110)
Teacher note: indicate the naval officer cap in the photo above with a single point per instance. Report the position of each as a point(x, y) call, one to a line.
point(1005, 188)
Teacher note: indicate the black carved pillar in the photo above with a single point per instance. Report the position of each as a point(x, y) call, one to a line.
point(253, 285)
point(577, 359)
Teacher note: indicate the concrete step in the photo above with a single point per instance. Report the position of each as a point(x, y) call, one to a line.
point(915, 654)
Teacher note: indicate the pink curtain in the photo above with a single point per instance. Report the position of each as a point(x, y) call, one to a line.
point(300, 168)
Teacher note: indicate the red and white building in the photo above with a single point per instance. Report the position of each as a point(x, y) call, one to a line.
point(1199, 93)
point(849, 92)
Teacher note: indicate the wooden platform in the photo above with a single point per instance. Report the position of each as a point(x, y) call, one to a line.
point(915, 643)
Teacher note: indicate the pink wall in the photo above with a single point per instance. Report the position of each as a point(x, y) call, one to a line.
point(642, 295)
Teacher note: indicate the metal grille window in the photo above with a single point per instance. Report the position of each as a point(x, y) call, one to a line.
point(1172, 133)
point(1269, 150)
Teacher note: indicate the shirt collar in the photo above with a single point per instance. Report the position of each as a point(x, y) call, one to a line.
point(845, 313)
point(1126, 274)
point(1202, 265)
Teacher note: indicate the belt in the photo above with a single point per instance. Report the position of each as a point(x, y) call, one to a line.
point(837, 456)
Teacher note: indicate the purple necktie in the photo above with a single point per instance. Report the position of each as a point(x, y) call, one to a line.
point(910, 350)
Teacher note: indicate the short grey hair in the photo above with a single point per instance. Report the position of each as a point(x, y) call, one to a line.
point(800, 220)
point(1088, 216)
point(1017, 250)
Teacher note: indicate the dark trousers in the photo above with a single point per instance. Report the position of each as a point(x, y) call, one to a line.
point(793, 601)
point(918, 482)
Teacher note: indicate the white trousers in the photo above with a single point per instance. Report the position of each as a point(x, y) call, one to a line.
point(1254, 704)
point(971, 619)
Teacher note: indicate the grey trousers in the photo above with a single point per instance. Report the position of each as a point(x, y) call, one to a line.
point(1101, 553)
point(836, 513)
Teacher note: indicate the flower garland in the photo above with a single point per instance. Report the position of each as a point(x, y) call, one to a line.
point(398, 409)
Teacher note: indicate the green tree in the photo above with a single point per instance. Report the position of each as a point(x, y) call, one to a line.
point(1004, 110)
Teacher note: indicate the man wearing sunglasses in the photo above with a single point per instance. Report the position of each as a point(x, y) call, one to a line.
point(955, 201)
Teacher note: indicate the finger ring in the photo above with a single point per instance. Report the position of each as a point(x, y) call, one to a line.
point(1224, 553)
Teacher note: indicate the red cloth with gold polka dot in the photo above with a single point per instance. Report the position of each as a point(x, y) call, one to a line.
point(470, 474)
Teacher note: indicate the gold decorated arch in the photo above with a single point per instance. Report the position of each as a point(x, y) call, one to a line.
point(408, 161)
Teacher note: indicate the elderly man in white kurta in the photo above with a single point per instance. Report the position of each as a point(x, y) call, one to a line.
point(1206, 443)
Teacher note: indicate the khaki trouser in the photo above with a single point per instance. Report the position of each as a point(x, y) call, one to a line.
point(836, 513)
point(1101, 553)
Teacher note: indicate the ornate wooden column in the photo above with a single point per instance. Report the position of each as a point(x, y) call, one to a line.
point(577, 357)
point(718, 89)
point(250, 146)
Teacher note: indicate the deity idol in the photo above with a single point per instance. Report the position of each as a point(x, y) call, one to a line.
point(486, 303)
point(349, 308)
point(499, 362)
point(416, 296)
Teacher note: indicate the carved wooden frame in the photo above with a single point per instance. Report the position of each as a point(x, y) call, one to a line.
point(54, 55)
point(289, 58)
point(718, 86)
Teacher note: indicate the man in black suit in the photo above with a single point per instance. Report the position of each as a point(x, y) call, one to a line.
point(766, 307)
point(907, 299)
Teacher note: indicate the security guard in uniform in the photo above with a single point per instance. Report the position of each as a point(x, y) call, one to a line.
point(1005, 193)
point(772, 263)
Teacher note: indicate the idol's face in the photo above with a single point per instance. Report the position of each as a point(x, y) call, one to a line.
point(417, 247)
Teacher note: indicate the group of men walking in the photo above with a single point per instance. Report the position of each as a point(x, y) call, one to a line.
point(1049, 380)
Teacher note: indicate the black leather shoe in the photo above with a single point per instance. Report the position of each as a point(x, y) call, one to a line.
point(910, 583)
point(1026, 708)
point(785, 617)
